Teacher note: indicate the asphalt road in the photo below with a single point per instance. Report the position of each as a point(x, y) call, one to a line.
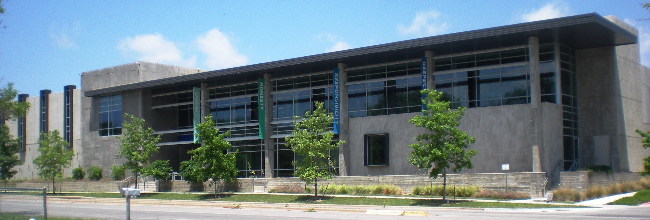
point(157, 209)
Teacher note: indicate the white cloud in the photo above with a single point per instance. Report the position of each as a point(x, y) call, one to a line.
point(330, 38)
point(644, 41)
point(339, 46)
point(551, 10)
point(154, 48)
point(424, 24)
point(63, 36)
point(219, 52)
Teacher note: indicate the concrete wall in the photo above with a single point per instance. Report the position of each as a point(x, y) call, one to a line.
point(55, 118)
point(610, 102)
point(130, 73)
point(503, 135)
point(101, 151)
point(582, 180)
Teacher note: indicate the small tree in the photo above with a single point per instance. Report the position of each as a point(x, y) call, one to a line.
point(159, 169)
point(117, 172)
point(95, 173)
point(54, 156)
point(444, 145)
point(9, 147)
point(312, 140)
point(138, 143)
point(10, 109)
point(212, 160)
point(645, 140)
point(78, 173)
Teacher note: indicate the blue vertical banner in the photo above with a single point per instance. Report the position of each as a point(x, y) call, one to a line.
point(261, 107)
point(196, 111)
point(425, 79)
point(337, 100)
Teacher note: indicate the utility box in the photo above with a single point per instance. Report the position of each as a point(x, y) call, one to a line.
point(130, 192)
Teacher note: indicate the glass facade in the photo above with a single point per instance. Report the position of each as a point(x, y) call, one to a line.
point(484, 79)
point(250, 157)
point(383, 90)
point(376, 150)
point(569, 107)
point(284, 158)
point(110, 115)
point(234, 109)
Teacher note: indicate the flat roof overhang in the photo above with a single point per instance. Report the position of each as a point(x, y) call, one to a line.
point(580, 32)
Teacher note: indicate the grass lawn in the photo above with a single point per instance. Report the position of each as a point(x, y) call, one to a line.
point(23, 217)
point(640, 197)
point(274, 198)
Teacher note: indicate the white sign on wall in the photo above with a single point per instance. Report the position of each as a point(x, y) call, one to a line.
point(505, 166)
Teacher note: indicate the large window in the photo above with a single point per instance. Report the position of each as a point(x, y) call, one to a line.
point(288, 104)
point(376, 150)
point(234, 109)
point(570, 107)
point(110, 115)
point(250, 157)
point(486, 87)
point(383, 90)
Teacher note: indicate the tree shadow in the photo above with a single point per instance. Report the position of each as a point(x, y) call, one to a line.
point(312, 199)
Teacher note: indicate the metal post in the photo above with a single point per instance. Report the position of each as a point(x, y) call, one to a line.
point(506, 182)
point(44, 203)
point(128, 207)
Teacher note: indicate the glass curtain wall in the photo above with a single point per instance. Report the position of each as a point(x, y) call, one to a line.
point(484, 79)
point(569, 107)
point(295, 96)
point(384, 90)
point(234, 109)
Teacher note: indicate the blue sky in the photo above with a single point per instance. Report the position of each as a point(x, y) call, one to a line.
point(48, 44)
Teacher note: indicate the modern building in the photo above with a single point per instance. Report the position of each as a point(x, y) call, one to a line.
point(545, 96)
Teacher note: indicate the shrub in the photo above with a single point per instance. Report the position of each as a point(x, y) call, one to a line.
point(492, 194)
point(416, 190)
point(159, 169)
point(564, 194)
point(460, 191)
point(288, 189)
point(78, 173)
point(598, 168)
point(95, 173)
point(595, 192)
point(360, 190)
point(118, 172)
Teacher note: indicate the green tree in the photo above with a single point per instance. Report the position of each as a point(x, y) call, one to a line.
point(211, 161)
point(54, 156)
point(312, 139)
point(9, 147)
point(444, 145)
point(159, 169)
point(10, 109)
point(138, 143)
point(645, 140)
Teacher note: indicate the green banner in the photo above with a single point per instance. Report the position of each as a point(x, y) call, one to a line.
point(261, 107)
point(196, 110)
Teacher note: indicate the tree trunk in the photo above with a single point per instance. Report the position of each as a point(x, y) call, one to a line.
point(315, 187)
point(444, 184)
point(53, 189)
point(136, 180)
point(215, 189)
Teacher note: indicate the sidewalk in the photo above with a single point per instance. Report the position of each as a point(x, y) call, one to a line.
point(603, 201)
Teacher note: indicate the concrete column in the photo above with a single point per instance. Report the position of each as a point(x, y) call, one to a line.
point(344, 131)
point(269, 146)
point(431, 84)
point(205, 107)
point(533, 55)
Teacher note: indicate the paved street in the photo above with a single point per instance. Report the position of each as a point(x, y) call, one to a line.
point(165, 209)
